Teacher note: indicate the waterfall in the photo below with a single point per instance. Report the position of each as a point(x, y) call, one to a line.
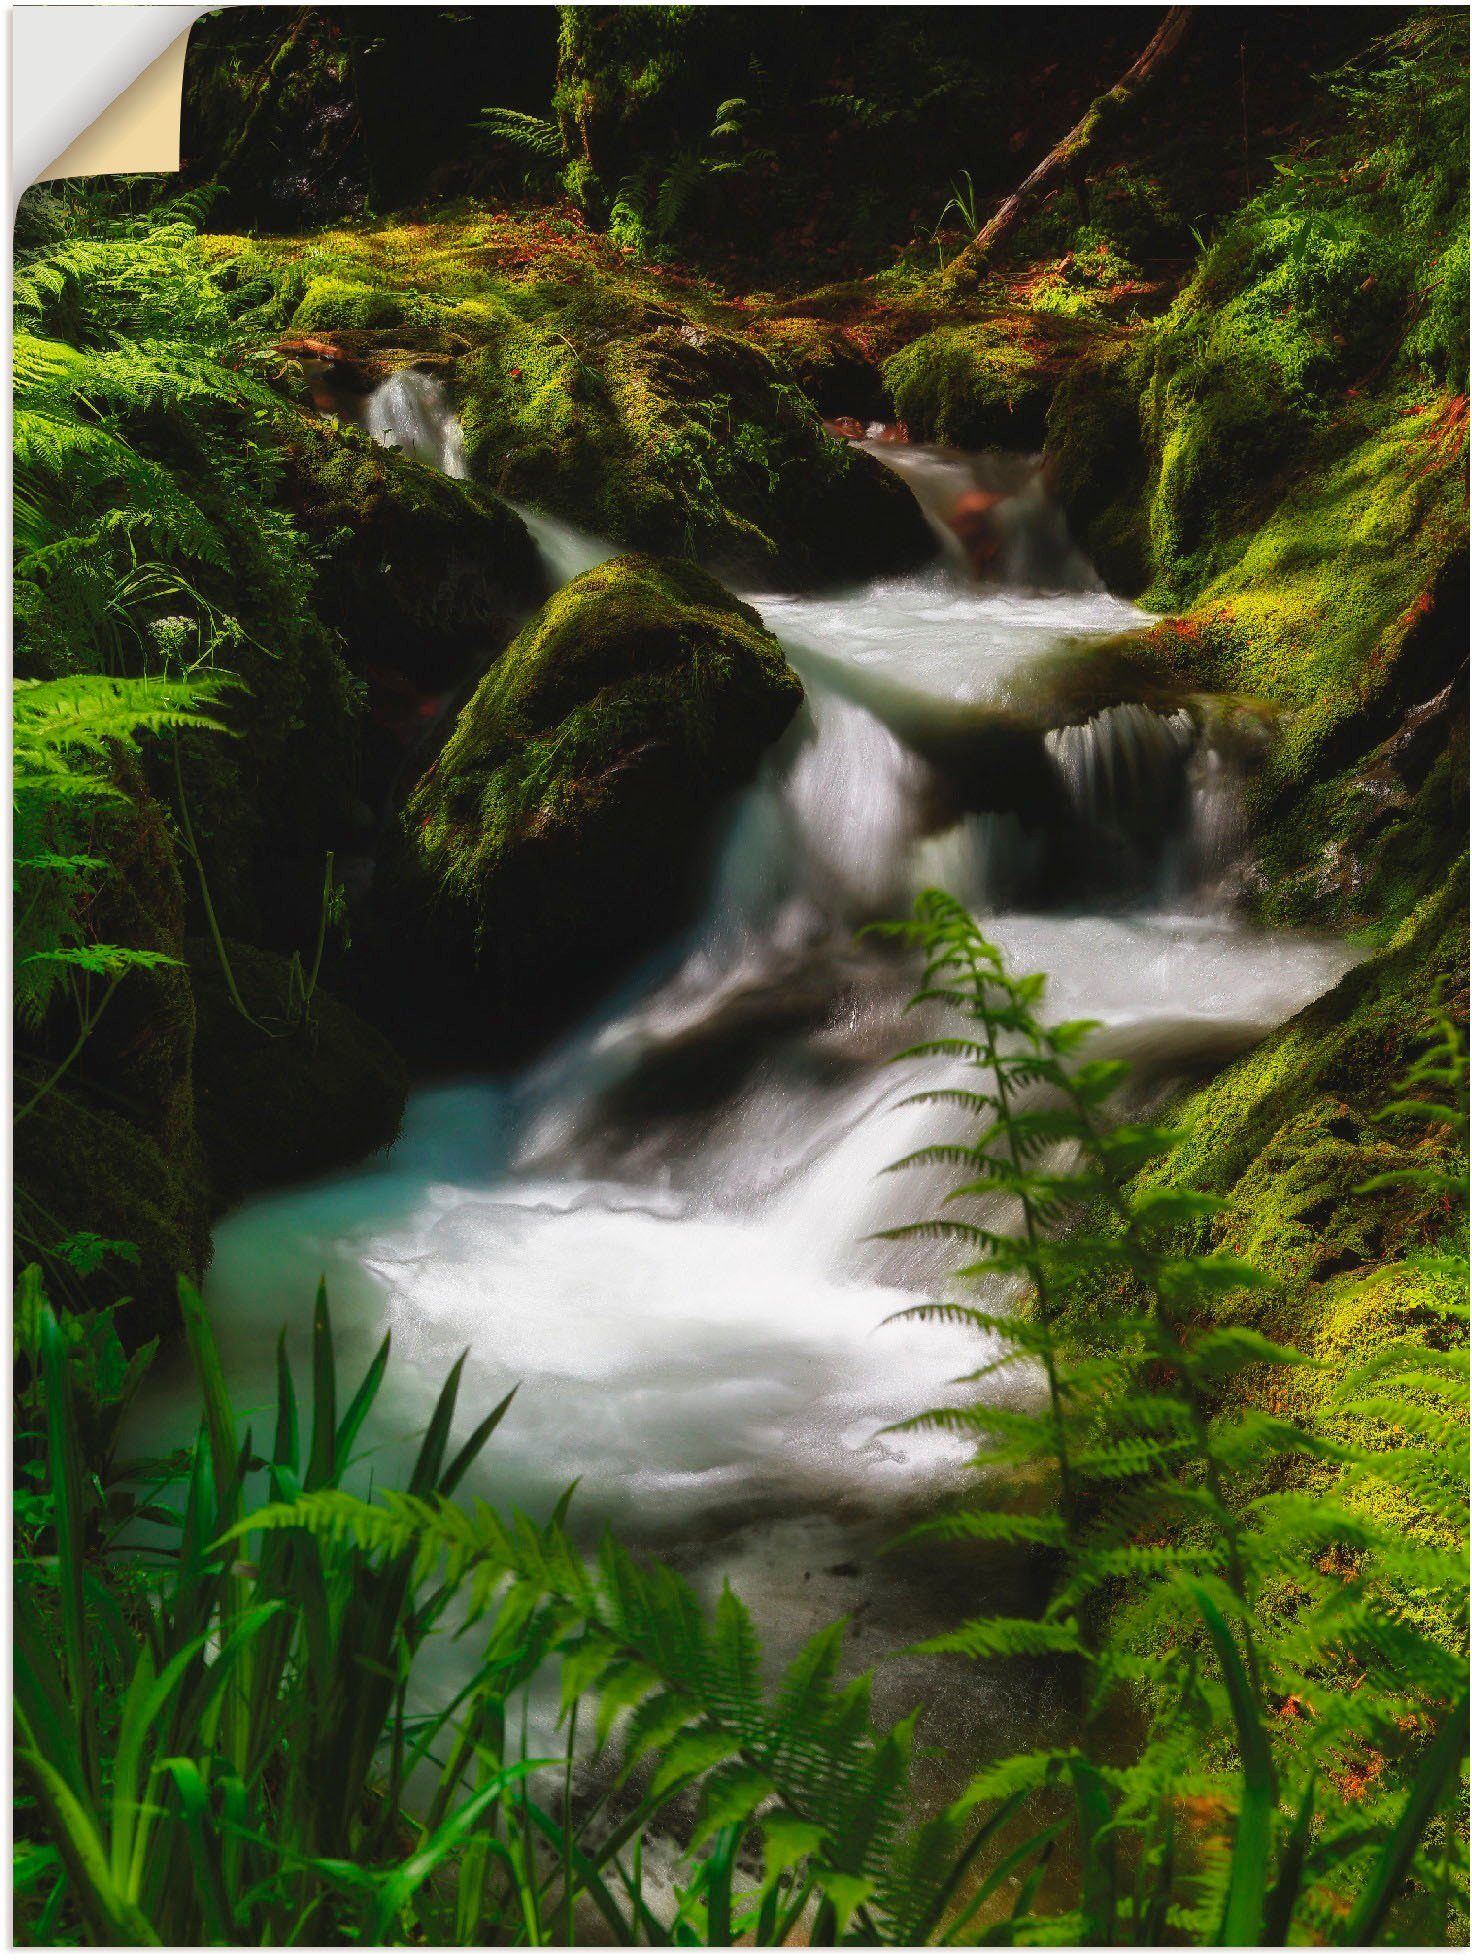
point(1125, 768)
point(660, 1229)
point(1161, 791)
point(565, 550)
point(993, 513)
point(411, 411)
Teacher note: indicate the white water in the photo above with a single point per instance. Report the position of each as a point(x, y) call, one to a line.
point(659, 1231)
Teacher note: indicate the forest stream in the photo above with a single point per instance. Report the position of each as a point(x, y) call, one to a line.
point(661, 1229)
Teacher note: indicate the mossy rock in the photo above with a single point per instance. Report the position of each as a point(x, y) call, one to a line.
point(1363, 846)
point(284, 1101)
point(1353, 1046)
point(583, 389)
point(674, 438)
point(565, 822)
point(341, 306)
point(1097, 467)
point(417, 571)
point(982, 385)
point(81, 1168)
point(1342, 612)
point(828, 364)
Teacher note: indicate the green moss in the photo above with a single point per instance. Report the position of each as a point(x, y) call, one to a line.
point(337, 306)
point(276, 1107)
point(1097, 465)
point(592, 388)
point(416, 570)
point(1338, 611)
point(1304, 297)
point(985, 385)
point(563, 820)
point(1363, 846)
point(1354, 1045)
point(677, 438)
point(1320, 598)
point(829, 364)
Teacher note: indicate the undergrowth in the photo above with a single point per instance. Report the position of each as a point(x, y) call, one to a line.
point(217, 1733)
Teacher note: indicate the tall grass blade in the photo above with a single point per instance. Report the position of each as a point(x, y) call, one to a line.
point(1448, 1747)
point(1247, 1881)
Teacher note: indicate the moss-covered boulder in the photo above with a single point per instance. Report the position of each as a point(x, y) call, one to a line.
point(345, 306)
point(282, 1098)
point(597, 388)
point(566, 818)
point(1096, 462)
point(676, 438)
point(1344, 1055)
point(828, 363)
point(416, 570)
point(984, 384)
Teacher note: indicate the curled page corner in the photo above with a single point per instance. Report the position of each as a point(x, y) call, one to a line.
point(96, 90)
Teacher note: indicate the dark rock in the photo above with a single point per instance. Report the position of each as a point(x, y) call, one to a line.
point(418, 571)
point(83, 1168)
point(830, 367)
point(1097, 467)
point(284, 1100)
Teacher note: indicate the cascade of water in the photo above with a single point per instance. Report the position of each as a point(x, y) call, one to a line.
point(656, 1229)
point(565, 550)
point(992, 512)
point(1124, 765)
point(1217, 830)
point(411, 411)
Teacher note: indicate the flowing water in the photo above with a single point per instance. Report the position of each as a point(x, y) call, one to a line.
point(660, 1230)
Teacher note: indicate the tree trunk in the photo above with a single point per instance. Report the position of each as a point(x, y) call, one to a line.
point(265, 88)
point(1103, 112)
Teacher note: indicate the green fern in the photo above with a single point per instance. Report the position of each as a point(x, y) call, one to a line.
point(1146, 1454)
point(66, 735)
point(537, 136)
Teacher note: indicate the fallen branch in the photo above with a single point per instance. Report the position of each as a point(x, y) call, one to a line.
point(1065, 157)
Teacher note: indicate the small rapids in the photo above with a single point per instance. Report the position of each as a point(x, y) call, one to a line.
point(662, 1230)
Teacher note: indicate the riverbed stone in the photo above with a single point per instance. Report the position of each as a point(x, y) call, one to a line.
point(1097, 466)
point(983, 384)
point(566, 821)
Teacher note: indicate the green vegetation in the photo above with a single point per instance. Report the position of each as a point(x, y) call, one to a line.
point(222, 1749)
point(627, 403)
point(984, 386)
